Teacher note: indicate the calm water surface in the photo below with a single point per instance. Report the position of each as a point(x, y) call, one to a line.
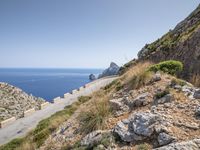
point(47, 83)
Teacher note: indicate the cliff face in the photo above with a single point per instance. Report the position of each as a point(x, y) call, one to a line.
point(112, 70)
point(182, 43)
point(13, 101)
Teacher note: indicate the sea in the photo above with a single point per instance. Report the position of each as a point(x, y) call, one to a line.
point(47, 83)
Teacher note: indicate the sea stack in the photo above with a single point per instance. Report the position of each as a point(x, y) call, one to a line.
point(112, 70)
point(92, 77)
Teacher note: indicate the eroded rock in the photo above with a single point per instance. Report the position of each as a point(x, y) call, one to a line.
point(164, 139)
point(188, 145)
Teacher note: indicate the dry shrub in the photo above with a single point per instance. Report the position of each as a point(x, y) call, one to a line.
point(27, 145)
point(195, 80)
point(96, 116)
point(138, 75)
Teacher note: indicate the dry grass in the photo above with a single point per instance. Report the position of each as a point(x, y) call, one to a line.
point(96, 115)
point(137, 76)
point(26, 146)
point(195, 80)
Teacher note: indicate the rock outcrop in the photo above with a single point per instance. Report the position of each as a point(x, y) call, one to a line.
point(112, 70)
point(92, 77)
point(13, 101)
point(182, 43)
point(187, 145)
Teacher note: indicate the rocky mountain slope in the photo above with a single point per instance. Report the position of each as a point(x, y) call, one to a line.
point(137, 111)
point(182, 43)
point(13, 101)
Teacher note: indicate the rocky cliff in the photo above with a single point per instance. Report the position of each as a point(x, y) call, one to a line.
point(182, 43)
point(113, 69)
point(13, 101)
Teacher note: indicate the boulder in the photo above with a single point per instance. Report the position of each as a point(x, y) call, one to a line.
point(112, 70)
point(116, 104)
point(143, 123)
point(156, 77)
point(121, 129)
point(92, 138)
point(164, 139)
point(187, 90)
point(138, 127)
point(166, 99)
point(140, 100)
point(197, 111)
point(197, 94)
point(92, 77)
point(187, 145)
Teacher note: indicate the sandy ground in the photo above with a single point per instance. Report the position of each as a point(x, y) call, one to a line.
point(22, 126)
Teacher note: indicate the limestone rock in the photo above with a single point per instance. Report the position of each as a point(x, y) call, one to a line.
point(139, 101)
point(164, 139)
point(112, 70)
point(138, 127)
point(92, 138)
point(156, 77)
point(13, 101)
point(197, 94)
point(166, 99)
point(197, 111)
point(187, 145)
point(125, 134)
point(143, 123)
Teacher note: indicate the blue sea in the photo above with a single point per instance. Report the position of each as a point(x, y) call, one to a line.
point(47, 83)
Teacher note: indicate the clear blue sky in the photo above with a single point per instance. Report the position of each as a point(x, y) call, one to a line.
point(83, 33)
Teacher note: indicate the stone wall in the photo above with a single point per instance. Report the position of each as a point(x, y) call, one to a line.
point(41, 106)
point(7, 122)
point(57, 100)
point(29, 112)
point(66, 95)
point(44, 105)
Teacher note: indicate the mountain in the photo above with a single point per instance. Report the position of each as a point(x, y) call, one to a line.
point(13, 101)
point(182, 43)
point(113, 69)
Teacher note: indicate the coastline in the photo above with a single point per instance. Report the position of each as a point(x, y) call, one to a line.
point(20, 127)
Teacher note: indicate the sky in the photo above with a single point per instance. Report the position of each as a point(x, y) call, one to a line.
point(83, 33)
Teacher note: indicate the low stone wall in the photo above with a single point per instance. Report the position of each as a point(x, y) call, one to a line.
point(66, 95)
point(7, 122)
point(81, 88)
point(29, 112)
point(57, 100)
point(44, 105)
point(74, 91)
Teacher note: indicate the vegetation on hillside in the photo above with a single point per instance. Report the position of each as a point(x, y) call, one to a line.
point(171, 67)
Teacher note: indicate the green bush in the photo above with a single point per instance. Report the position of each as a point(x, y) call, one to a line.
point(171, 67)
point(162, 93)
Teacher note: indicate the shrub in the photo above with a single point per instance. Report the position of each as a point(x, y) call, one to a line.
point(140, 79)
point(180, 82)
point(162, 94)
point(171, 67)
point(137, 75)
point(95, 117)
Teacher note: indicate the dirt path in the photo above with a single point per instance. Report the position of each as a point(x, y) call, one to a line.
point(24, 125)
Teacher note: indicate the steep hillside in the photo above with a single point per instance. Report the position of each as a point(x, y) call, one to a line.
point(13, 101)
point(182, 43)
